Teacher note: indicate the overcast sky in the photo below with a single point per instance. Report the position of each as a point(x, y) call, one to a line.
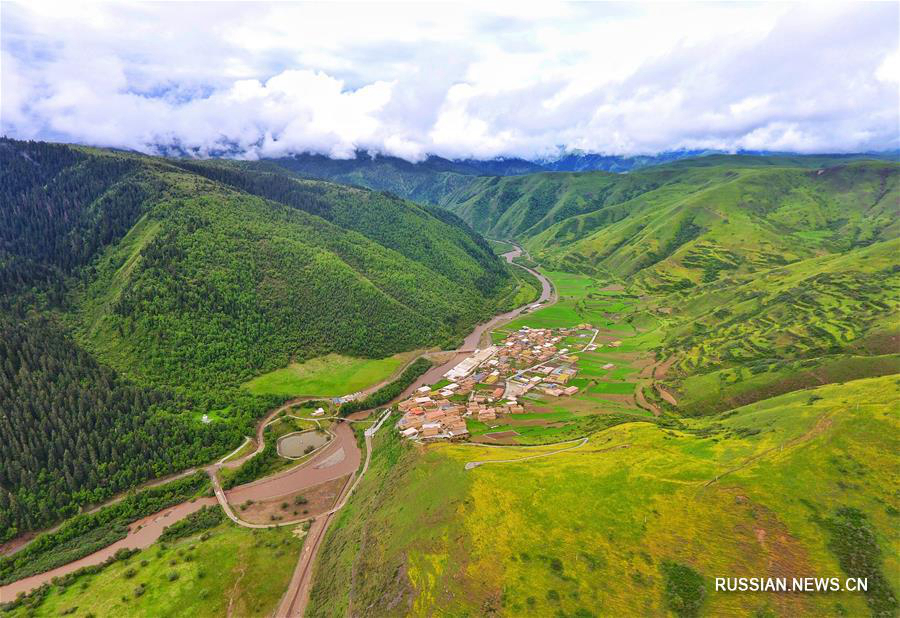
point(453, 80)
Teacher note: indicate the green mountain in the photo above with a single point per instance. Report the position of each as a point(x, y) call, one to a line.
point(425, 182)
point(739, 415)
point(173, 282)
point(762, 267)
point(562, 208)
point(443, 182)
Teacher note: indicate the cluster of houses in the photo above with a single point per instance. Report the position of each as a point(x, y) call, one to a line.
point(490, 382)
point(432, 417)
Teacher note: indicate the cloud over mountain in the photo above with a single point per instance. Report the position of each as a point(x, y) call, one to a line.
point(269, 79)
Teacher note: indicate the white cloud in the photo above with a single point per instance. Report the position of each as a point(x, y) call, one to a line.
point(412, 79)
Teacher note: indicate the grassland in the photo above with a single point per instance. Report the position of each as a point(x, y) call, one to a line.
point(228, 570)
point(775, 475)
point(499, 247)
point(589, 531)
point(828, 319)
point(692, 221)
point(332, 375)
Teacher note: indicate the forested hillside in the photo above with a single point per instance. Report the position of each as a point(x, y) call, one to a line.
point(75, 432)
point(452, 183)
point(425, 182)
point(138, 293)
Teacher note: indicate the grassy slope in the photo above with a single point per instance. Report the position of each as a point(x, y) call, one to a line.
point(826, 319)
point(421, 183)
point(577, 204)
point(759, 278)
point(249, 568)
point(588, 530)
point(551, 535)
point(705, 224)
point(328, 376)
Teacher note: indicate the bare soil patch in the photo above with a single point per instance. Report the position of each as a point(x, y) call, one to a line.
point(663, 368)
point(537, 409)
point(646, 366)
point(642, 401)
point(584, 407)
point(605, 335)
point(533, 422)
point(320, 498)
point(762, 534)
point(666, 395)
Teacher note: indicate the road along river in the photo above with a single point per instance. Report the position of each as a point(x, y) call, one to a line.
point(477, 338)
point(339, 458)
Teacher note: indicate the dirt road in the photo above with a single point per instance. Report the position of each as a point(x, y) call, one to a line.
point(476, 339)
point(341, 453)
point(296, 597)
point(475, 464)
point(321, 468)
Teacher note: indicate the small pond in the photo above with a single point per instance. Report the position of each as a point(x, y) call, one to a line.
point(299, 443)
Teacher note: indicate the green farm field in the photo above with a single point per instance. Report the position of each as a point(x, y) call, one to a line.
point(229, 570)
point(606, 393)
point(332, 375)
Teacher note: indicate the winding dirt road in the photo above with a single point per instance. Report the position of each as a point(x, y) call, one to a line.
point(293, 603)
point(475, 464)
point(477, 337)
point(321, 468)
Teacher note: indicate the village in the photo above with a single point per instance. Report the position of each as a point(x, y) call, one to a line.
point(493, 381)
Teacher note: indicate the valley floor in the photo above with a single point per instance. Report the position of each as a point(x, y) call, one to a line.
point(610, 502)
point(642, 515)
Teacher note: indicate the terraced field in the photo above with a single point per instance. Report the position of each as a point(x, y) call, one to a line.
point(742, 428)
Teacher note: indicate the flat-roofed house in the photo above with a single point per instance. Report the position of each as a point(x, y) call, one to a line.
point(430, 429)
point(412, 421)
point(434, 415)
point(487, 414)
point(458, 429)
